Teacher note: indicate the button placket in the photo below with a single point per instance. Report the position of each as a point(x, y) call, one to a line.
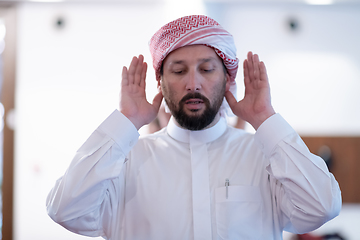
point(201, 189)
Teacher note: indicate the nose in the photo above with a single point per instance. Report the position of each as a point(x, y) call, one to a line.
point(193, 82)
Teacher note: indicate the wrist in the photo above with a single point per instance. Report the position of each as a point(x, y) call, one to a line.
point(262, 117)
point(133, 120)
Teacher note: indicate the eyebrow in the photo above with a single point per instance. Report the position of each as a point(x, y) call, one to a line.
point(200, 60)
point(207, 59)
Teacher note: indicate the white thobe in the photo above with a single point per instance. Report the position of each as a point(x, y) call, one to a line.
point(171, 184)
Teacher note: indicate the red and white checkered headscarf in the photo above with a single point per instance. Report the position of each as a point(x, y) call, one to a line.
point(192, 30)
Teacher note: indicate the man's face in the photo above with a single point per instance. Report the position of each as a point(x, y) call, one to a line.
point(193, 84)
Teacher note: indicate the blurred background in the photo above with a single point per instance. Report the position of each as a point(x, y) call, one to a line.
point(60, 71)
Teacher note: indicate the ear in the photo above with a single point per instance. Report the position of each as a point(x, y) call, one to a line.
point(159, 88)
point(228, 80)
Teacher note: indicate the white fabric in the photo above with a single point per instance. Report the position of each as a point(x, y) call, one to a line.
point(171, 185)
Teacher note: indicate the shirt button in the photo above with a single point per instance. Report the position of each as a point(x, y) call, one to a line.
point(131, 143)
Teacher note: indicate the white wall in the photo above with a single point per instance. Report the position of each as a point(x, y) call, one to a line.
point(67, 83)
point(314, 71)
point(68, 79)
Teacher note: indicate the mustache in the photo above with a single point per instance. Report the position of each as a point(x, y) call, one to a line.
point(194, 95)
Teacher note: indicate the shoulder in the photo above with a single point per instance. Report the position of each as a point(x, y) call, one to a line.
point(155, 139)
point(234, 138)
point(235, 134)
point(153, 136)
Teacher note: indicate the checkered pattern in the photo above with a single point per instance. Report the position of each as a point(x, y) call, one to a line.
point(191, 30)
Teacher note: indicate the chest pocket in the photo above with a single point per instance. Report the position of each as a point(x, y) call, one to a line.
point(239, 215)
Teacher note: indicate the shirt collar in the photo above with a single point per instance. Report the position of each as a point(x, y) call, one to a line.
point(202, 136)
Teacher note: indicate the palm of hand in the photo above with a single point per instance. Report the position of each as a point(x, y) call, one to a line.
point(256, 107)
point(133, 102)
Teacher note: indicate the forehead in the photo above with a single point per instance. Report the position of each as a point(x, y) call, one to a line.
point(192, 54)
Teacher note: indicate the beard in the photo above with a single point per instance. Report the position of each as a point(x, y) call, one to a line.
point(198, 121)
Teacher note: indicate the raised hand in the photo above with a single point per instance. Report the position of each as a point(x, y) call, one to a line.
point(256, 106)
point(133, 102)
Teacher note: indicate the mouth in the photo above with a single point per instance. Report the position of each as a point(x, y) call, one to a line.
point(194, 104)
point(194, 101)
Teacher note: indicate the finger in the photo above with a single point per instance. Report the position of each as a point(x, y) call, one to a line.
point(246, 73)
point(256, 64)
point(157, 101)
point(250, 64)
point(249, 55)
point(143, 75)
point(263, 72)
point(124, 77)
point(231, 100)
point(132, 70)
point(139, 70)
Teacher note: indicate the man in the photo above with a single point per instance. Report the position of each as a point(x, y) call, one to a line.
point(197, 178)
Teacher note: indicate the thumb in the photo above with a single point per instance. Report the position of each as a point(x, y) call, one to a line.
point(157, 100)
point(230, 99)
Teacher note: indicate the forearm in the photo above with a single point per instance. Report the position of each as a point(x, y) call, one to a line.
point(311, 194)
point(87, 186)
point(83, 177)
point(306, 191)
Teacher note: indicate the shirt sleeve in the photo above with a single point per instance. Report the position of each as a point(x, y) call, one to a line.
point(91, 190)
point(305, 194)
